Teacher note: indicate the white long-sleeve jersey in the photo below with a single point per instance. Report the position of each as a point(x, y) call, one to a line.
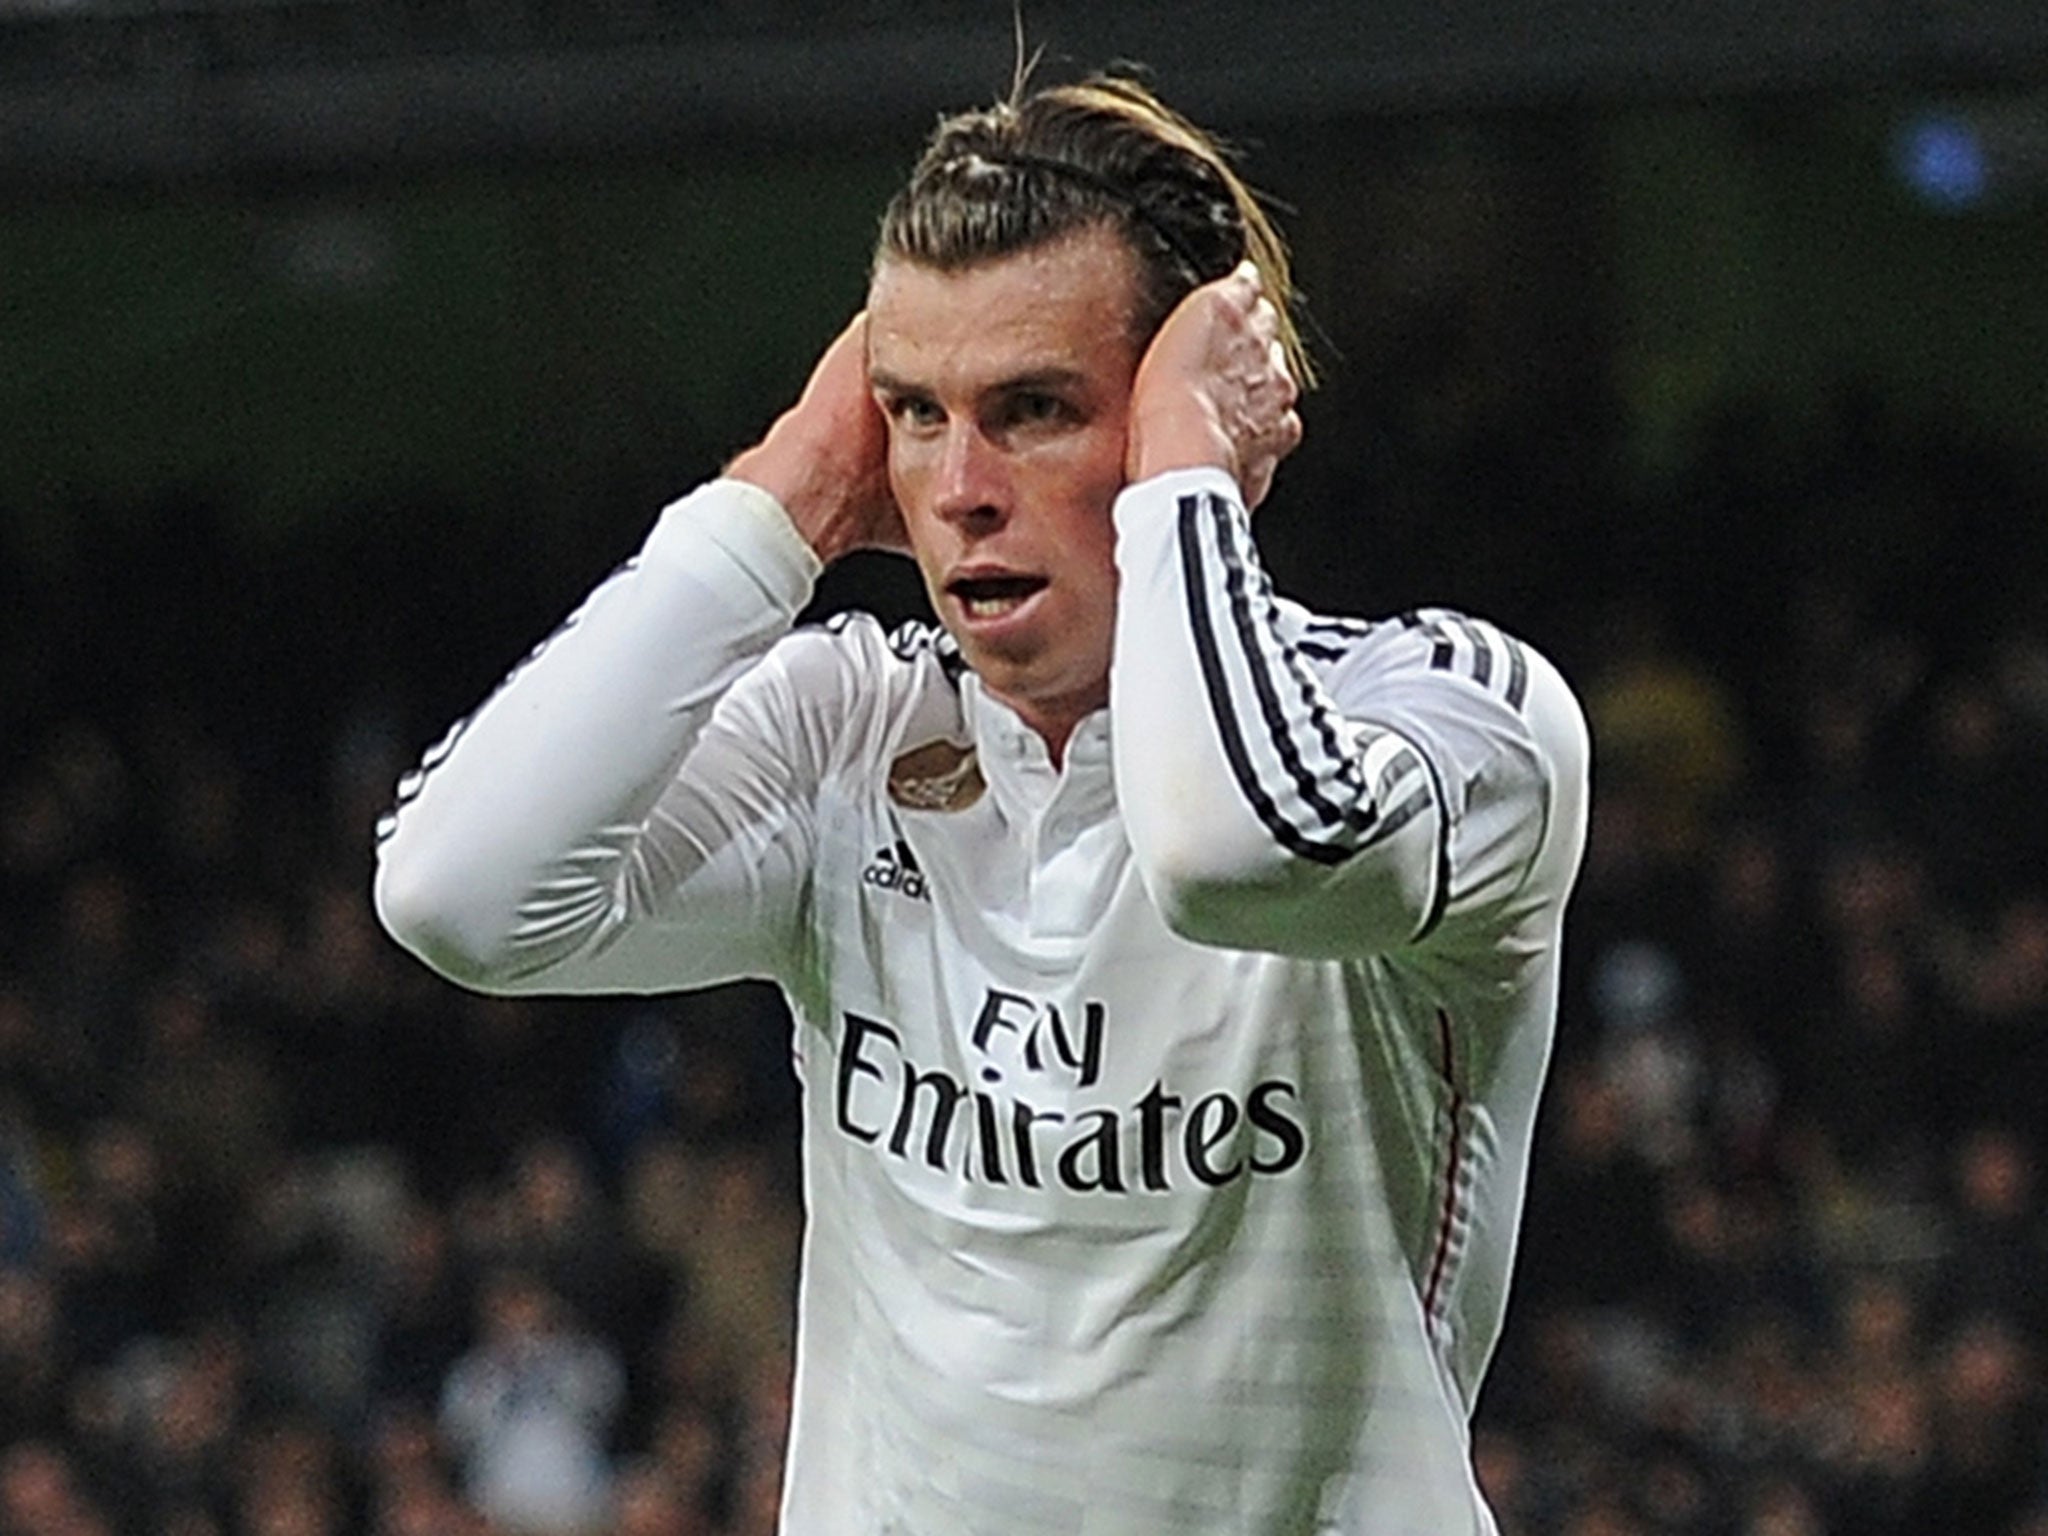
point(1166, 1114)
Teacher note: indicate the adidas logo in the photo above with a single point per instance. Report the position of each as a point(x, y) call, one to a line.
point(895, 869)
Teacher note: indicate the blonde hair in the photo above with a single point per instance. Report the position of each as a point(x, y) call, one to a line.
point(1105, 151)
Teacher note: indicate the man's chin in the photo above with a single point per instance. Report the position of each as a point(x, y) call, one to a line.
point(1038, 695)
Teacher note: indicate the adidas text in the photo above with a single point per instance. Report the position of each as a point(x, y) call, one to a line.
point(895, 869)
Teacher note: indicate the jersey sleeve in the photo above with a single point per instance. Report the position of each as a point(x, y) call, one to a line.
point(628, 811)
point(1319, 794)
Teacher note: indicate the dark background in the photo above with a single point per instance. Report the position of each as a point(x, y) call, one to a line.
point(343, 346)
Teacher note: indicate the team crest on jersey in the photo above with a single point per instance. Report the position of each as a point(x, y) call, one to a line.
point(938, 776)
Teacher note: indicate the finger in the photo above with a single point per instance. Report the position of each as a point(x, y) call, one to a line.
point(846, 356)
point(1276, 359)
point(853, 338)
point(1291, 431)
point(1258, 481)
point(1241, 289)
point(1259, 471)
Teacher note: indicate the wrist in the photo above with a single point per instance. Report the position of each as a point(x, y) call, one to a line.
point(812, 499)
point(1178, 440)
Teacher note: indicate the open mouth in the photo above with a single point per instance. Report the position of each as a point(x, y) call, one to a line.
point(990, 597)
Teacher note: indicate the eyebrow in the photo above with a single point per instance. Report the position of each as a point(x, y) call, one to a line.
point(1050, 377)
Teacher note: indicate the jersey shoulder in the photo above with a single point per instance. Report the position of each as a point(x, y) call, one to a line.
point(1480, 702)
point(861, 690)
point(1421, 645)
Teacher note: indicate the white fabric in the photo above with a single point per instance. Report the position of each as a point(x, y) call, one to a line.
point(1166, 1114)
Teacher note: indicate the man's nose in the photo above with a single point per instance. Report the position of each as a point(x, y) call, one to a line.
point(971, 484)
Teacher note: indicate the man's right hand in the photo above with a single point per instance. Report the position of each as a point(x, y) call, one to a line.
point(826, 457)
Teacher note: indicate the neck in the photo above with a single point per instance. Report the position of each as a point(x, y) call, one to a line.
point(1055, 722)
point(1055, 731)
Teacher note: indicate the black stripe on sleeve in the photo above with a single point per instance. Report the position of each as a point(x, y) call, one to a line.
point(1394, 820)
point(1239, 575)
point(1217, 687)
point(1442, 627)
point(1440, 898)
point(1442, 652)
point(1339, 828)
point(1399, 766)
point(410, 786)
point(1518, 672)
point(1350, 629)
point(1482, 653)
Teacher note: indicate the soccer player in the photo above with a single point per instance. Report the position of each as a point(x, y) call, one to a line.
point(1173, 970)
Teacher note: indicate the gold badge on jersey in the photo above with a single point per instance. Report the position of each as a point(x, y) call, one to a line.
point(938, 776)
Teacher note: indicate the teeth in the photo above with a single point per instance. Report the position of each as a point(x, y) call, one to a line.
point(991, 607)
point(991, 597)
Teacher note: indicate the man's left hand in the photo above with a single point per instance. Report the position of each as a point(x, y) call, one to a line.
point(1214, 388)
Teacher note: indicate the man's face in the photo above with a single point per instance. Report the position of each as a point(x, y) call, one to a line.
point(1006, 388)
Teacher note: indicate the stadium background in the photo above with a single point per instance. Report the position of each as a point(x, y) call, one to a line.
point(342, 346)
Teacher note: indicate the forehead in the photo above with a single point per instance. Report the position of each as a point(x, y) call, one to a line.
point(1067, 306)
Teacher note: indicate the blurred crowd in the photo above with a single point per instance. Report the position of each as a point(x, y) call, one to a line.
point(296, 1240)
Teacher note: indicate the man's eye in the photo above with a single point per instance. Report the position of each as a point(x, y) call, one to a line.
point(1032, 409)
point(914, 411)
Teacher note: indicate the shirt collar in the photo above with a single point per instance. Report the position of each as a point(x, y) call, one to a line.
point(1019, 769)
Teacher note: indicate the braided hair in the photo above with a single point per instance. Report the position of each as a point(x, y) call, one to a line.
point(1103, 152)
